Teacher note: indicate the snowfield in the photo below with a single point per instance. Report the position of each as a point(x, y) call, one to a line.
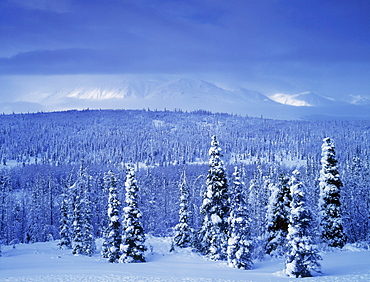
point(45, 262)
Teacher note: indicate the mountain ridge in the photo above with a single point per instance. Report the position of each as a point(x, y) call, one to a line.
point(195, 94)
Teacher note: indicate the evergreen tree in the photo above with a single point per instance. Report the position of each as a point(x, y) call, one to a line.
point(356, 196)
point(278, 211)
point(77, 233)
point(4, 207)
point(37, 219)
point(258, 196)
point(329, 201)
point(257, 201)
point(213, 234)
point(89, 246)
point(112, 234)
point(239, 243)
point(183, 233)
point(133, 238)
point(65, 235)
point(302, 257)
point(83, 238)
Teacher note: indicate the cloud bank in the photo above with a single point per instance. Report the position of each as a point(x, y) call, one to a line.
point(281, 46)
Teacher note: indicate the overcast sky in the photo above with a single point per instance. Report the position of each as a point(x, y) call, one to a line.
point(266, 45)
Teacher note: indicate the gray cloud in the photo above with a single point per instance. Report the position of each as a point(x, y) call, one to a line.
point(289, 45)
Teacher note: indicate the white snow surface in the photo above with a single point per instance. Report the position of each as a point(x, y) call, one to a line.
point(45, 262)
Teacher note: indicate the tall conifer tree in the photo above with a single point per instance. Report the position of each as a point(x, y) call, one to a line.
point(302, 257)
point(329, 202)
point(133, 238)
point(239, 243)
point(356, 208)
point(258, 198)
point(88, 230)
point(258, 195)
point(83, 237)
point(183, 232)
point(112, 234)
point(65, 232)
point(213, 234)
point(77, 222)
point(278, 212)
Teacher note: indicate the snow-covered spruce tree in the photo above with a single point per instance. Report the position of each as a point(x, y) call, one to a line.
point(356, 199)
point(329, 201)
point(112, 234)
point(89, 246)
point(77, 232)
point(37, 210)
point(83, 240)
point(239, 243)
point(133, 238)
point(183, 233)
point(213, 235)
point(258, 195)
point(65, 233)
point(278, 211)
point(257, 201)
point(302, 257)
point(4, 209)
point(105, 245)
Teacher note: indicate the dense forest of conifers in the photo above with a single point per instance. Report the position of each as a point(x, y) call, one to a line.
point(41, 154)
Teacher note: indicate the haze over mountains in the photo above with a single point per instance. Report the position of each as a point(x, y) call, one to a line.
point(189, 95)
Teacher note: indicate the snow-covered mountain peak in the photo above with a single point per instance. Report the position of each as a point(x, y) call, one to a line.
point(304, 99)
point(252, 96)
point(186, 88)
point(288, 99)
point(114, 90)
point(186, 83)
point(359, 100)
point(95, 94)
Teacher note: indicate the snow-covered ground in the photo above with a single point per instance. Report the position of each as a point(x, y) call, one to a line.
point(45, 262)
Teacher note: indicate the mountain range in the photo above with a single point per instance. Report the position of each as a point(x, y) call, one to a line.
point(190, 95)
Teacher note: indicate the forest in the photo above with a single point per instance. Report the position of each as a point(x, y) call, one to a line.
point(42, 155)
